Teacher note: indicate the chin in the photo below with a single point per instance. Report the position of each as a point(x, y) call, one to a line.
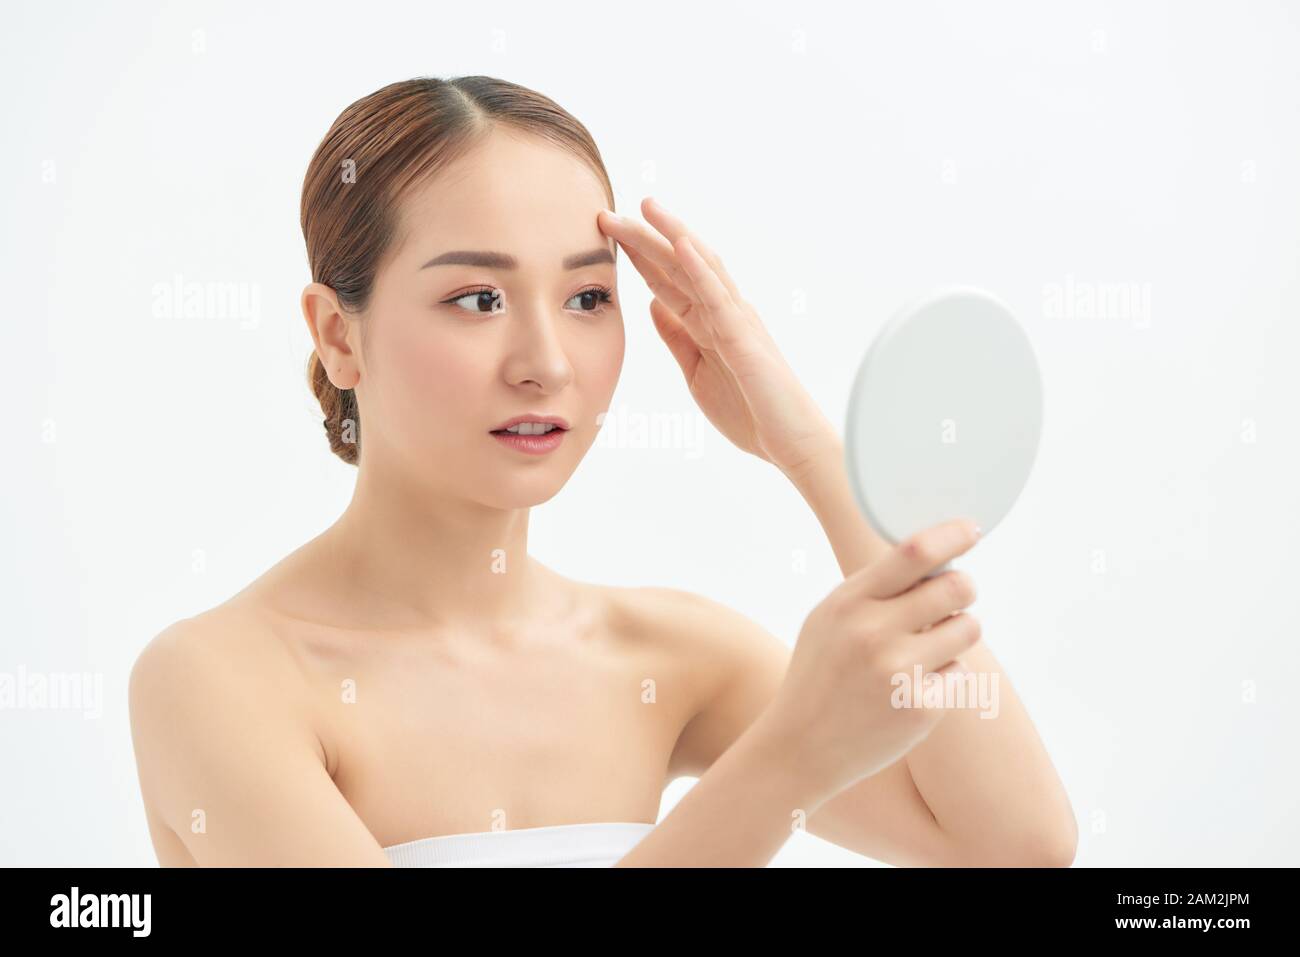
point(523, 494)
point(521, 486)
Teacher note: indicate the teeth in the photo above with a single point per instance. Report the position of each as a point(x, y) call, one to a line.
point(531, 428)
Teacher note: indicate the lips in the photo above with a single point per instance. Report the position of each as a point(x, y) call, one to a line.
point(532, 444)
point(555, 420)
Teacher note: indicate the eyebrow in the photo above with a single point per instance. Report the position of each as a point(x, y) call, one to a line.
point(492, 260)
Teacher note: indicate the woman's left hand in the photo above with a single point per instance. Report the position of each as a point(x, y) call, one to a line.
point(733, 368)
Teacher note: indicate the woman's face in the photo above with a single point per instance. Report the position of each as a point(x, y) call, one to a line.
point(453, 350)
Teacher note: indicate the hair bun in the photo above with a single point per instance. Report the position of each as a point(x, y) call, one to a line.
point(342, 422)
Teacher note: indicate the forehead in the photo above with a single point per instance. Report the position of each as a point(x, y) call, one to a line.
point(511, 192)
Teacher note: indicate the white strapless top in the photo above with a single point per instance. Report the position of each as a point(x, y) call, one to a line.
point(559, 845)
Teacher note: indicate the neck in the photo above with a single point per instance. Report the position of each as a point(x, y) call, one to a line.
point(419, 557)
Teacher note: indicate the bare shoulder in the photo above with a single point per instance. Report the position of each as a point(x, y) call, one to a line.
point(709, 629)
point(188, 656)
point(231, 769)
point(733, 664)
point(236, 640)
point(229, 643)
point(231, 652)
point(210, 682)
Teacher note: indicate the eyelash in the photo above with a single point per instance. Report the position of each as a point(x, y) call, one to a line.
point(603, 294)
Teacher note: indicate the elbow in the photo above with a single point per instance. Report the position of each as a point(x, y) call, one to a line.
point(1038, 848)
point(1056, 848)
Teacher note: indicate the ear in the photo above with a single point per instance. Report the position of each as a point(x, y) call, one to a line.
point(330, 327)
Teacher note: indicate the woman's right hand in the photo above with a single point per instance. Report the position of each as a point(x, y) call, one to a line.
point(834, 711)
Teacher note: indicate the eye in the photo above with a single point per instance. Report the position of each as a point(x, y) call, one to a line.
point(598, 297)
point(488, 300)
point(492, 298)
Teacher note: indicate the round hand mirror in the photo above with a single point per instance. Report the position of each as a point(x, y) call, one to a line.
point(944, 415)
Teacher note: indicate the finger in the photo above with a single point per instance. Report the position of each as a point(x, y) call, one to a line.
point(673, 229)
point(942, 645)
point(729, 325)
point(688, 312)
point(708, 287)
point(688, 284)
point(649, 244)
point(660, 284)
point(907, 562)
point(932, 600)
point(676, 337)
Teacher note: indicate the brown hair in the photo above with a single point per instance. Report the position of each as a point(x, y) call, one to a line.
point(374, 153)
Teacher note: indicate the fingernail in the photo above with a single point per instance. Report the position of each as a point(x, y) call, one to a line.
point(978, 531)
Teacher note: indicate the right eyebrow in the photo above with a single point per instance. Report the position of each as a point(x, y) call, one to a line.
point(494, 260)
point(469, 257)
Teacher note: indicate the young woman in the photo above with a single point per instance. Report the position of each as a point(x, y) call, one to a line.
point(410, 687)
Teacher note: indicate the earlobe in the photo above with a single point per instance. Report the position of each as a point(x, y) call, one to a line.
point(341, 376)
point(350, 379)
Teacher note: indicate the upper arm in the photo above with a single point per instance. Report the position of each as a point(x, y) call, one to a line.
point(738, 664)
point(229, 768)
point(743, 664)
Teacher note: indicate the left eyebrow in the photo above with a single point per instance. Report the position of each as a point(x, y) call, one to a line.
point(492, 260)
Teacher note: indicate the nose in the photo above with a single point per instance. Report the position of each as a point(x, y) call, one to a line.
point(536, 352)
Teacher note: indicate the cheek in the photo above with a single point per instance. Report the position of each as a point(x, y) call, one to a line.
point(437, 382)
point(599, 360)
point(429, 378)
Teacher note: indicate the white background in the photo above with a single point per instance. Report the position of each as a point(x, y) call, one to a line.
point(842, 159)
